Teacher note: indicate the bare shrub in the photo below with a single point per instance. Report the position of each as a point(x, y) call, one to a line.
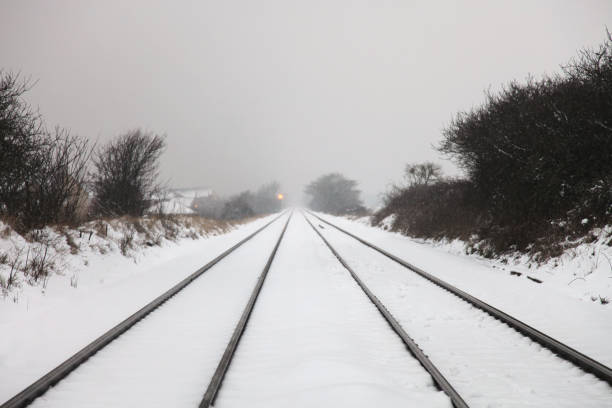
point(42, 173)
point(540, 151)
point(61, 196)
point(126, 243)
point(74, 247)
point(125, 181)
point(171, 228)
point(15, 265)
point(422, 173)
point(136, 224)
point(39, 264)
point(21, 132)
point(238, 206)
point(537, 161)
point(445, 209)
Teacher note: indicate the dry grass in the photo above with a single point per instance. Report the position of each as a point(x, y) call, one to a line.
point(38, 254)
point(6, 232)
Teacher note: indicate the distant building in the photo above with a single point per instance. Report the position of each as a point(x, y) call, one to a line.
point(182, 200)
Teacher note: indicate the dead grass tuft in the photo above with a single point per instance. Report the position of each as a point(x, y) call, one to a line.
point(126, 243)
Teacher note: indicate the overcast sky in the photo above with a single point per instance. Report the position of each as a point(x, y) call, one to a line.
point(253, 91)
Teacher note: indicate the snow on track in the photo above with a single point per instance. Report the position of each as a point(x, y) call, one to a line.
point(585, 326)
point(167, 359)
point(315, 339)
point(43, 330)
point(486, 361)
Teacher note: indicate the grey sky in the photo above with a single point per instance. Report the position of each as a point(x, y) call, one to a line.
point(250, 91)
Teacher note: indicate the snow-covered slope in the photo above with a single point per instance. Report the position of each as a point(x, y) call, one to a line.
point(489, 363)
point(583, 272)
point(548, 306)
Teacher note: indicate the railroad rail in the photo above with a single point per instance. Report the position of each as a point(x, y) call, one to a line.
point(217, 379)
point(39, 387)
point(438, 378)
point(562, 350)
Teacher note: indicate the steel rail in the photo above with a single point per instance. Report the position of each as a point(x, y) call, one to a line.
point(217, 379)
point(38, 388)
point(564, 351)
point(439, 379)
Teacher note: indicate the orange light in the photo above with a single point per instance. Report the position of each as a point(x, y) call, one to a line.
point(280, 196)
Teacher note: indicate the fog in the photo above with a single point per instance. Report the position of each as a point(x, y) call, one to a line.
point(253, 91)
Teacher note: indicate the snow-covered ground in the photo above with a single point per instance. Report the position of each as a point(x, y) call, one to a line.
point(314, 339)
point(45, 325)
point(547, 306)
point(487, 362)
point(31, 262)
point(167, 359)
point(583, 272)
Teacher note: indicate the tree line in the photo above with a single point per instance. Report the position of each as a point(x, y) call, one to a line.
point(537, 158)
point(55, 177)
point(332, 193)
point(50, 176)
point(242, 205)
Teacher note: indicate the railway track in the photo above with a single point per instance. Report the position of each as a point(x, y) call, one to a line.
point(568, 353)
point(426, 366)
point(438, 378)
point(230, 350)
point(386, 309)
point(52, 378)
point(37, 389)
point(559, 349)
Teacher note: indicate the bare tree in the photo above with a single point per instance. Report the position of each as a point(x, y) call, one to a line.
point(59, 194)
point(422, 173)
point(335, 194)
point(126, 176)
point(21, 132)
point(42, 173)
